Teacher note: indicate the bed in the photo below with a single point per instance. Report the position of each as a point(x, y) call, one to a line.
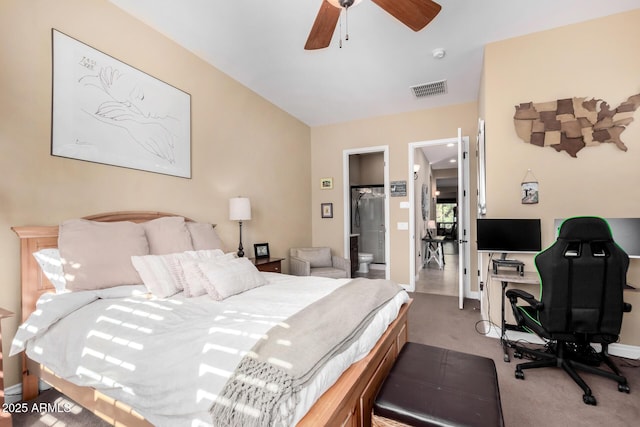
point(346, 400)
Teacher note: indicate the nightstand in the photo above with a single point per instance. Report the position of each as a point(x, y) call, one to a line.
point(272, 265)
point(5, 417)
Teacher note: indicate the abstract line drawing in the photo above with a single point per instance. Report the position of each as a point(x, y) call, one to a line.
point(106, 111)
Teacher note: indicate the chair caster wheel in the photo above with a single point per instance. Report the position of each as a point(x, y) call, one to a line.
point(520, 375)
point(624, 388)
point(589, 399)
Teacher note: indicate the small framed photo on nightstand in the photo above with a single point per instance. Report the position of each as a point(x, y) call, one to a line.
point(261, 250)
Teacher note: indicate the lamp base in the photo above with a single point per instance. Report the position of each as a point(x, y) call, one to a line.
point(240, 252)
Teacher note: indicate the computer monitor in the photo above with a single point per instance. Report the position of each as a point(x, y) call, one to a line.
point(625, 231)
point(509, 235)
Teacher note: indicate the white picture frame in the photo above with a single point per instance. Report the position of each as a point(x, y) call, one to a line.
point(105, 111)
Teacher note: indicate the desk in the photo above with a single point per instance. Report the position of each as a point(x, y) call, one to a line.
point(433, 250)
point(506, 277)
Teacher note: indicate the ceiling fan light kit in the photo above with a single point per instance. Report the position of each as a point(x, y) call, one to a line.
point(415, 14)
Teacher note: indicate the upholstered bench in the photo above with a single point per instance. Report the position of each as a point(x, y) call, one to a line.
point(431, 386)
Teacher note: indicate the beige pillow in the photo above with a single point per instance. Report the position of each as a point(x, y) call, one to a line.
point(97, 255)
point(204, 236)
point(167, 235)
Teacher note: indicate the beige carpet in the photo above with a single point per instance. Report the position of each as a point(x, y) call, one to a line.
point(547, 397)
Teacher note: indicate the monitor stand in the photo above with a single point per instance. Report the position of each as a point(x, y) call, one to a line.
point(503, 261)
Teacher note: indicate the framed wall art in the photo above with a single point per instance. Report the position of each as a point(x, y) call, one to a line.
point(326, 183)
point(326, 210)
point(105, 111)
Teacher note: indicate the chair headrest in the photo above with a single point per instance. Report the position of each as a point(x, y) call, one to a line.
point(585, 228)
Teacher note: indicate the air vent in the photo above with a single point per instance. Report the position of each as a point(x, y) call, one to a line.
point(430, 89)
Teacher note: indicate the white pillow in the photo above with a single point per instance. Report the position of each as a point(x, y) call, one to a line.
point(51, 265)
point(227, 277)
point(163, 275)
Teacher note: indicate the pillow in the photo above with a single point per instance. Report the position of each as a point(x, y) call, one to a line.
point(317, 257)
point(97, 255)
point(163, 275)
point(230, 277)
point(204, 236)
point(195, 282)
point(167, 235)
point(51, 265)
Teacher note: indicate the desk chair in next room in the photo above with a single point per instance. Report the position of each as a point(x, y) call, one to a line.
point(582, 277)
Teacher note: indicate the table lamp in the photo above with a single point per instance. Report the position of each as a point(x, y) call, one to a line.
point(240, 210)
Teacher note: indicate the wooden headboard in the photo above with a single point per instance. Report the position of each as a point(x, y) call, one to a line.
point(33, 238)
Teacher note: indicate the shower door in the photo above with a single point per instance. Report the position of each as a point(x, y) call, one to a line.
point(368, 220)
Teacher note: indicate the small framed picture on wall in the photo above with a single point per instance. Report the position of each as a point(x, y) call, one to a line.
point(326, 183)
point(326, 210)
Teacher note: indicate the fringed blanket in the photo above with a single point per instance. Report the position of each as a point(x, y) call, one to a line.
point(264, 388)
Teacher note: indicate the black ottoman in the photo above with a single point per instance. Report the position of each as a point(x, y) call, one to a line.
point(432, 386)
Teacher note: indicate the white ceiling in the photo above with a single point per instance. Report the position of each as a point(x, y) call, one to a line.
point(260, 44)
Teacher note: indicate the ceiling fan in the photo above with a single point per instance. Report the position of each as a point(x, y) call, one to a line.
point(415, 14)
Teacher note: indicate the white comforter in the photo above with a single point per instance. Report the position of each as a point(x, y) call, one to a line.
point(168, 358)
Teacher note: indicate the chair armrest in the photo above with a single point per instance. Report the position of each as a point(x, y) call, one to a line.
point(341, 263)
point(299, 267)
point(514, 294)
point(626, 307)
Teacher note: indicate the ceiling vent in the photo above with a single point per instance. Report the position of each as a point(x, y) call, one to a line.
point(430, 89)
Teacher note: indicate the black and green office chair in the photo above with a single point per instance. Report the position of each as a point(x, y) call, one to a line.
point(582, 278)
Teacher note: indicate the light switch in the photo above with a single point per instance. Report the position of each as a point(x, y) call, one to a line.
point(404, 205)
point(403, 226)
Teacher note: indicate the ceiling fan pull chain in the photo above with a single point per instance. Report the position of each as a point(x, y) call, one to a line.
point(346, 23)
point(340, 30)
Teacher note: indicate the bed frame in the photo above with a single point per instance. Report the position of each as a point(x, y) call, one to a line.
point(347, 403)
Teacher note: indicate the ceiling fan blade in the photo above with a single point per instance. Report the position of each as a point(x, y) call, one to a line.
point(415, 14)
point(323, 27)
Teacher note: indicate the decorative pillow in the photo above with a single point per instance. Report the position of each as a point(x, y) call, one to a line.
point(204, 236)
point(97, 255)
point(163, 275)
point(167, 235)
point(195, 282)
point(317, 257)
point(230, 277)
point(51, 265)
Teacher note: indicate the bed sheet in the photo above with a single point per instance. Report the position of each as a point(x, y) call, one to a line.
point(156, 354)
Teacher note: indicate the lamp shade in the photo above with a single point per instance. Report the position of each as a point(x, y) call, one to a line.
point(240, 209)
point(431, 225)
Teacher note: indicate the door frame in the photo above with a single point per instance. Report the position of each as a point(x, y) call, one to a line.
point(412, 203)
point(346, 191)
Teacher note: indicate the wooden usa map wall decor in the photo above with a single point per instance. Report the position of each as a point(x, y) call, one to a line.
point(574, 123)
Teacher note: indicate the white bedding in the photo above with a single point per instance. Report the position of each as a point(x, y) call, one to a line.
point(168, 358)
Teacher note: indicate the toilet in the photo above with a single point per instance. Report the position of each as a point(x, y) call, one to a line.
point(364, 259)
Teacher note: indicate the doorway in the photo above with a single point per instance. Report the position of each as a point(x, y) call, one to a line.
point(439, 216)
point(366, 205)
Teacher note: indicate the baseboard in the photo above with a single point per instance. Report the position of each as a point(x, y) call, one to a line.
point(408, 288)
point(615, 349)
point(13, 394)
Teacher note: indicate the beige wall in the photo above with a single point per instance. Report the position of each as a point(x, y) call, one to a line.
point(241, 144)
point(397, 131)
point(594, 59)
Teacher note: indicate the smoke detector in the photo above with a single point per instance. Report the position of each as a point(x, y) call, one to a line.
point(438, 53)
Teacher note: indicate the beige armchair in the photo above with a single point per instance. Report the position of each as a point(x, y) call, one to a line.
point(318, 262)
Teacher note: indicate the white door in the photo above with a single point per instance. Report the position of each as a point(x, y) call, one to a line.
point(463, 215)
